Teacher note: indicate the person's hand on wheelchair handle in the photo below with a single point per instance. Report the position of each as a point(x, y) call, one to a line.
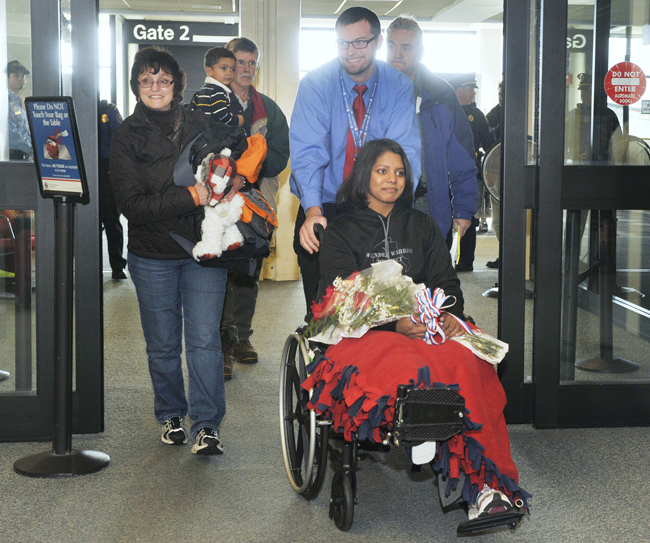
point(308, 239)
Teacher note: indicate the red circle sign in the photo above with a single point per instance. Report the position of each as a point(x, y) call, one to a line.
point(625, 83)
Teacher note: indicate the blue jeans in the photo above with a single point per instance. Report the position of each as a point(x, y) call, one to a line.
point(173, 294)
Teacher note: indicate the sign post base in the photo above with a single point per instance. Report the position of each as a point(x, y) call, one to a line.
point(51, 465)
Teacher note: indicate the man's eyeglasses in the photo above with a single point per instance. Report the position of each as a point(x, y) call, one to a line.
point(147, 82)
point(250, 63)
point(357, 44)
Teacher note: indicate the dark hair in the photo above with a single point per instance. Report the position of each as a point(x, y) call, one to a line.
point(212, 56)
point(356, 14)
point(244, 45)
point(154, 59)
point(353, 193)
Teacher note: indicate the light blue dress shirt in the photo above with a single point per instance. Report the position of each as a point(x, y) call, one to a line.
point(319, 127)
point(19, 137)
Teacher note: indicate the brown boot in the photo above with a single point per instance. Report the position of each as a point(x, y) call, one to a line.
point(245, 352)
point(228, 350)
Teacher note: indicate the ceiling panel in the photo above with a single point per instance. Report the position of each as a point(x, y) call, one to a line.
point(171, 6)
point(456, 11)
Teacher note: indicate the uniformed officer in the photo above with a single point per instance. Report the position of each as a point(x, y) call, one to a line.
point(20, 142)
point(466, 86)
point(494, 120)
point(109, 120)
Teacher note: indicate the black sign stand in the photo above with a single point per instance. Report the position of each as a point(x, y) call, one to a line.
point(62, 177)
point(62, 460)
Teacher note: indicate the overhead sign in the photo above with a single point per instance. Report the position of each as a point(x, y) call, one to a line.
point(625, 83)
point(179, 33)
point(57, 151)
point(579, 40)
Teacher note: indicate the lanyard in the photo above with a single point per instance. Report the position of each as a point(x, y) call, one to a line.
point(359, 135)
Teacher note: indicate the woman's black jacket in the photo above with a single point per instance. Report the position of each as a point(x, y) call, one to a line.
point(141, 171)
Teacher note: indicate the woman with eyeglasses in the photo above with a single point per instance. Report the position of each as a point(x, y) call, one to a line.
point(174, 292)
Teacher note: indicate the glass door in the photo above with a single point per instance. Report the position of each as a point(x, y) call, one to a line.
point(29, 38)
point(23, 389)
point(592, 315)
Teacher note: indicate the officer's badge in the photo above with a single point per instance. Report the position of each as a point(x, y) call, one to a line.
point(470, 118)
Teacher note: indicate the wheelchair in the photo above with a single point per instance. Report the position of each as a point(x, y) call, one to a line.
point(423, 416)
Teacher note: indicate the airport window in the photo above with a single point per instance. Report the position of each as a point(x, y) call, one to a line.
point(462, 53)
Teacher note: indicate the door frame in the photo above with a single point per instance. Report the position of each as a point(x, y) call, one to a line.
point(517, 182)
point(560, 187)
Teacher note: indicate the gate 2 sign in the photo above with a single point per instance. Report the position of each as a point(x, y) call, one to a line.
point(625, 83)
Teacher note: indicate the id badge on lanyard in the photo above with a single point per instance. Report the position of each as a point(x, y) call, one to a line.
point(359, 135)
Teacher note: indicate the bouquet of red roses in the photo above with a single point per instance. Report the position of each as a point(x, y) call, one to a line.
point(381, 294)
point(372, 297)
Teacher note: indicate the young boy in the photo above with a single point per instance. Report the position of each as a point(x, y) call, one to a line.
point(215, 97)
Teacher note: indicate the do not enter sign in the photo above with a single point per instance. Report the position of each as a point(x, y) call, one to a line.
point(625, 83)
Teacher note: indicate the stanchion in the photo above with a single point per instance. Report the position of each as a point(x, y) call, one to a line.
point(606, 363)
point(62, 460)
point(3, 376)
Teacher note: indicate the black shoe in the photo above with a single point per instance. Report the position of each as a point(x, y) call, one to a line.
point(228, 350)
point(173, 432)
point(207, 443)
point(245, 352)
point(118, 275)
point(493, 263)
point(460, 267)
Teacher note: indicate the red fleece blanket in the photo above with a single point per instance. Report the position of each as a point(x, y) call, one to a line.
point(355, 386)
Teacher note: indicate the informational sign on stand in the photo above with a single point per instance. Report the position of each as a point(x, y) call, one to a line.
point(625, 83)
point(62, 177)
point(57, 152)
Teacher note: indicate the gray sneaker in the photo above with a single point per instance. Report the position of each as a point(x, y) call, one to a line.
point(207, 443)
point(173, 432)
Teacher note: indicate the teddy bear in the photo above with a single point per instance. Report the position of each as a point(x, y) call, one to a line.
point(219, 230)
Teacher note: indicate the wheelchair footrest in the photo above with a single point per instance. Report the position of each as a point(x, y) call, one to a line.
point(427, 414)
point(510, 519)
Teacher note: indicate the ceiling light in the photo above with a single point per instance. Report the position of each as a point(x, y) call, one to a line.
point(395, 6)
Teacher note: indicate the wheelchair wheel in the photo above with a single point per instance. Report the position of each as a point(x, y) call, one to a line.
point(342, 499)
point(304, 440)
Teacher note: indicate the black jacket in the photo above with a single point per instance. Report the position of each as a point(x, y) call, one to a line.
point(142, 165)
point(483, 137)
point(356, 239)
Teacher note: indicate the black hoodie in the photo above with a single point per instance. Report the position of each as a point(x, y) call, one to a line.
point(358, 238)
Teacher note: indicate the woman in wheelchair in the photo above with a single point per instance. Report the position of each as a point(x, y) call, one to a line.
point(357, 381)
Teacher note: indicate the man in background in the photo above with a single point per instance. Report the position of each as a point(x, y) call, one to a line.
point(261, 116)
point(494, 120)
point(466, 86)
point(20, 142)
point(109, 120)
point(494, 116)
point(447, 190)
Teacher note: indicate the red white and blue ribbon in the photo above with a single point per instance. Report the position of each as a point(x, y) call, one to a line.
point(430, 308)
